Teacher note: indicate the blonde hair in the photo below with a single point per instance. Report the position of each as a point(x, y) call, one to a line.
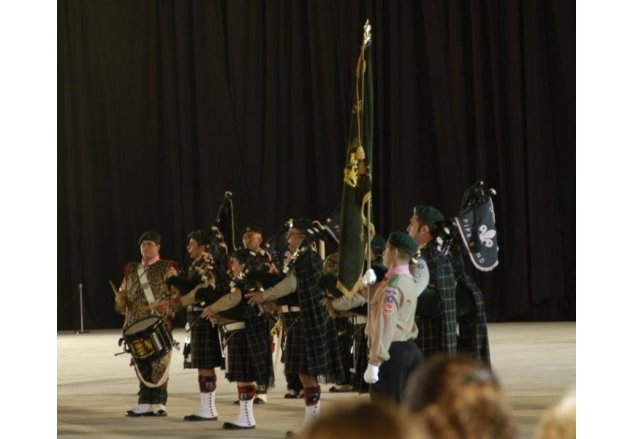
point(560, 421)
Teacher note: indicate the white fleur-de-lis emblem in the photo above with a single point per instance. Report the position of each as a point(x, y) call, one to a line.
point(486, 235)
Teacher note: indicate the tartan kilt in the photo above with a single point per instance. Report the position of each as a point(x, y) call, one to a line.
point(293, 355)
point(241, 364)
point(205, 347)
point(429, 338)
point(467, 335)
point(237, 362)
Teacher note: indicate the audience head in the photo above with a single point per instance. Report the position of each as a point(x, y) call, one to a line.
point(362, 420)
point(560, 421)
point(458, 397)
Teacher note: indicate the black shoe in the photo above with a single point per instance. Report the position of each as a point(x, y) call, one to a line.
point(134, 414)
point(342, 388)
point(160, 413)
point(231, 426)
point(192, 418)
point(258, 400)
point(292, 394)
point(236, 402)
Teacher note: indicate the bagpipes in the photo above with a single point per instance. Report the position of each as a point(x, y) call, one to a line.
point(219, 241)
point(473, 228)
point(278, 247)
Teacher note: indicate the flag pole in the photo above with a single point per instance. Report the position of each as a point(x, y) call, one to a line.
point(367, 38)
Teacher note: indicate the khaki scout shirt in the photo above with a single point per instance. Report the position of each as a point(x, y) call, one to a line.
point(391, 318)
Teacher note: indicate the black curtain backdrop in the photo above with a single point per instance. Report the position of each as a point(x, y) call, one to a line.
point(164, 105)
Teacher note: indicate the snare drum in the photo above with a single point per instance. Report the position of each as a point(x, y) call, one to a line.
point(147, 339)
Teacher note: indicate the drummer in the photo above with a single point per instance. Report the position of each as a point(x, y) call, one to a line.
point(143, 284)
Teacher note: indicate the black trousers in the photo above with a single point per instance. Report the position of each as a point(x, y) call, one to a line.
point(393, 374)
point(152, 395)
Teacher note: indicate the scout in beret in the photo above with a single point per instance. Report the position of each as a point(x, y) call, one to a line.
point(391, 329)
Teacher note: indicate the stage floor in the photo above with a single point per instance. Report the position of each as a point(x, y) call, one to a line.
point(536, 363)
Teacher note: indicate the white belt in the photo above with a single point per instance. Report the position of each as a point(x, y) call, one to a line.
point(359, 320)
point(286, 308)
point(233, 326)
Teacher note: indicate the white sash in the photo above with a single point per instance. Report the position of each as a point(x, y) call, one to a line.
point(145, 284)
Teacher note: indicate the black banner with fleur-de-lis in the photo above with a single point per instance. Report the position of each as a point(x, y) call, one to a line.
point(477, 230)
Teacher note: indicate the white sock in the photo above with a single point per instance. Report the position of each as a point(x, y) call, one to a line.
point(312, 411)
point(207, 407)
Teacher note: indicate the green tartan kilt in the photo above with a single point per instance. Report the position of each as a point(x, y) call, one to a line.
point(242, 363)
point(429, 338)
point(293, 355)
point(205, 344)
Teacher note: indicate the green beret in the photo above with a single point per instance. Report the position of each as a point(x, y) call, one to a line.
point(378, 243)
point(403, 241)
point(301, 224)
point(150, 236)
point(429, 215)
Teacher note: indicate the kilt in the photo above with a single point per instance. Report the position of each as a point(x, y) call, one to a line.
point(238, 365)
point(205, 344)
point(293, 355)
point(242, 364)
point(467, 335)
point(429, 338)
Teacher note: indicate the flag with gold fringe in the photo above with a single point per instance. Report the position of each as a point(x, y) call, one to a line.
point(355, 222)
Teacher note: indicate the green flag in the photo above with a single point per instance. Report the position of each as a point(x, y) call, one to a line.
point(355, 222)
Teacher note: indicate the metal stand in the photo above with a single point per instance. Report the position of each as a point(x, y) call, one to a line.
point(81, 310)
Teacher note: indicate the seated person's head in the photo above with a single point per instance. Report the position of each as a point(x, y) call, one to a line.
point(362, 420)
point(457, 397)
